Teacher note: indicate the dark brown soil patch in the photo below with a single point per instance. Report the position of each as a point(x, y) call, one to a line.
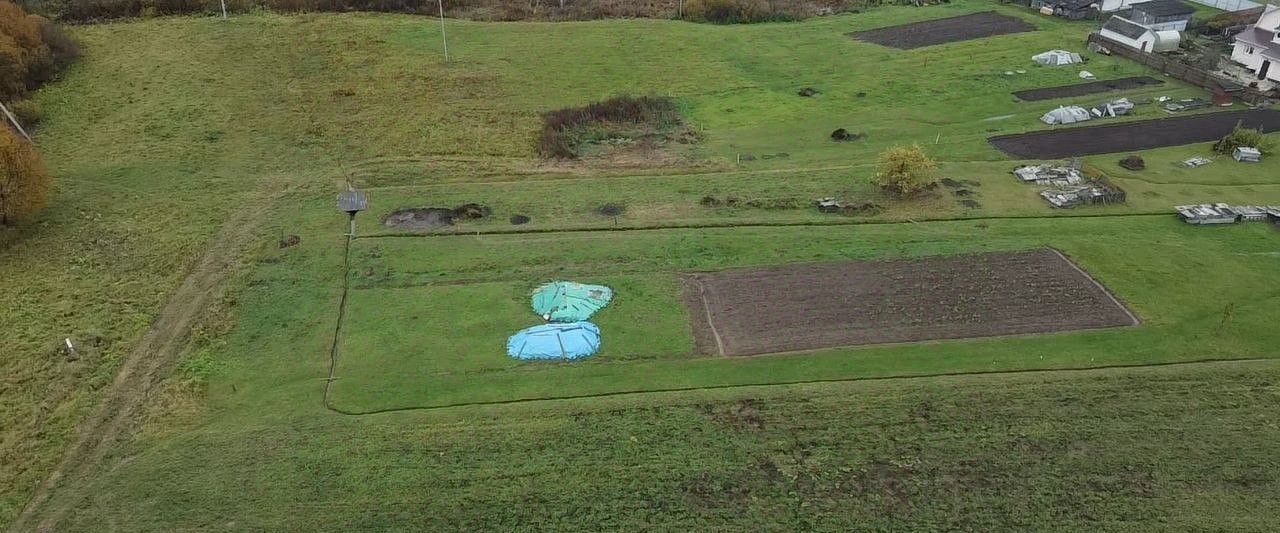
point(1132, 136)
point(807, 92)
point(292, 240)
point(948, 30)
point(802, 307)
point(424, 218)
point(611, 209)
point(419, 218)
point(1081, 89)
point(517, 220)
point(471, 211)
point(843, 135)
point(742, 414)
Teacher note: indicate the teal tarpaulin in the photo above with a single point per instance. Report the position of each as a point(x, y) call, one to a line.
point(555, 341)
point(567, 301)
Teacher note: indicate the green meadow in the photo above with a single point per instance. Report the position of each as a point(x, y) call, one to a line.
point(338, 388)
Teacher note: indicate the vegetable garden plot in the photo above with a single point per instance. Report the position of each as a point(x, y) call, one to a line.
point(802, 307)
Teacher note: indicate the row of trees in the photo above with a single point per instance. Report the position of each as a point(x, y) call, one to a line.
point(33, 51)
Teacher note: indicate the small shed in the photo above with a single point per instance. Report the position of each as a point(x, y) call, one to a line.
point(1245, 154)
point(1207, 214)
point(1162, 15)
point(1139, 37)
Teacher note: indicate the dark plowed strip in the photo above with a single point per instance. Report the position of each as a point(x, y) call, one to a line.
point(1081, 89)
point(802, 307)
point(1130, 136)
point(948, 30)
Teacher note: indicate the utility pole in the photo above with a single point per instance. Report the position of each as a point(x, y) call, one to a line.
point(443, 40)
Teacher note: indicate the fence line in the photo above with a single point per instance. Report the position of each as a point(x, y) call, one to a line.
point(1177, 69)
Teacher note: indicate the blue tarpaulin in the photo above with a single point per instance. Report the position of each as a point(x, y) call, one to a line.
point(567, 301)
point(555, 341)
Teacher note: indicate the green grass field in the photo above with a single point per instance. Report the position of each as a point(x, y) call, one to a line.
point(180, 138)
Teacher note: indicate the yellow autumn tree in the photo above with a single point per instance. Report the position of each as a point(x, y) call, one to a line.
point(24, 182)
point(905, 170)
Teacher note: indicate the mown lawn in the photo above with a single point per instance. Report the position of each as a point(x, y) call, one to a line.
point(429, 316)
point(1179, 448)
point(168, 127)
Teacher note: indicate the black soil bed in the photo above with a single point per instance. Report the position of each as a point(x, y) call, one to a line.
point(948, 30)
point(1131, 136)
point(1081, 89)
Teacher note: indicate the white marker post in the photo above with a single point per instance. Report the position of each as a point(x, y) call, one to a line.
point(14, 120)
point(443, 40)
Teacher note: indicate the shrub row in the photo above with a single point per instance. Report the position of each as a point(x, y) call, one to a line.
point(563, 129)
point(715, 11)
point(32, 51)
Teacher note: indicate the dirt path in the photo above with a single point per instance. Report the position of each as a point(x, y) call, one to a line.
point(115, 418)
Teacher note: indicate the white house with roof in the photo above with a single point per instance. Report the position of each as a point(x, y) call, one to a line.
point(1107, 6)
point(1139, 37)
point(1258, 47)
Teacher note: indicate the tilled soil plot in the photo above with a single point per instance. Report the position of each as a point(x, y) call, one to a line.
point(1130, 136)
point(1081, 89)
point(948, 30)
point(802, 307)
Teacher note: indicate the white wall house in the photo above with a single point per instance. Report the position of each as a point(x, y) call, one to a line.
point(1139, 37)
point(1107, 6)
point(1162, 15)
point(1258, 47)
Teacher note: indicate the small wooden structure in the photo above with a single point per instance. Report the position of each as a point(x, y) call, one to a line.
point(1245, 154)
point(1227, 214)
point(352, 201)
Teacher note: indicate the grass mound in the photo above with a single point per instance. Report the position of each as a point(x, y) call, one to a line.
point(616, 120)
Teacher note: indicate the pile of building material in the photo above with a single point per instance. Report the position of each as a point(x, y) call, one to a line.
point(828, 205)
point(1196, 161)
point(1113, 108)
point(1186, 104)
point(1227, 214)
point(1049, 175)
point(1057, 57)
point(1093, 193)
point(1066, 115)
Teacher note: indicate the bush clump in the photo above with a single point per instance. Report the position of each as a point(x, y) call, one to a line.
point(1242, 136)
point(906, 170)
point(727, 11)
point(1133, 162)
point(24, 182)
point(722, 11)
point(565, 130)
point(32, 51)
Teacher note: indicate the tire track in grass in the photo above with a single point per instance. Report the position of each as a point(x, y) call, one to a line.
point(1045, 371)
point(114, 419)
